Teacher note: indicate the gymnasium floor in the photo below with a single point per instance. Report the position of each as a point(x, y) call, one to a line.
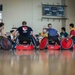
point(35, 63)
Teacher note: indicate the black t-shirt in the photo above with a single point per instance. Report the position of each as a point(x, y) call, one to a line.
point(24, 30)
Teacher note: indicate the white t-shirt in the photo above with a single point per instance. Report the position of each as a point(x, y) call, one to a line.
point(12, 37)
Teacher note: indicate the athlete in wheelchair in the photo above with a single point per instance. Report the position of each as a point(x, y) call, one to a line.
point(52, 39)
point(5, 43)
point(53, 35)
point(26, 36)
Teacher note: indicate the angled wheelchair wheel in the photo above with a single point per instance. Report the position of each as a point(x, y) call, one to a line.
point(6, 43)
point(43, 43)
point(66, 43)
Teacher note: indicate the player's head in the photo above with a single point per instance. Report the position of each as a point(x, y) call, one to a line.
point(1, 24)
point(49, 25)
point(63, 29)
point(44, 30)
point(12, 32)
point(24, 23)
point(71, 25)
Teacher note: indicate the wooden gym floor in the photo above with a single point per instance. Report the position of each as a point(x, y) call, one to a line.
point(35, 63)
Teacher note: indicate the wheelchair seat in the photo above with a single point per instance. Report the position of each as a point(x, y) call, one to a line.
point(24, 40)
point(25, 43)
point(51, 41)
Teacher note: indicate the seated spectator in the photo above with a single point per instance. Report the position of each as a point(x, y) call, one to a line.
point(63, 33)
point(12, 36)
point(13, 39)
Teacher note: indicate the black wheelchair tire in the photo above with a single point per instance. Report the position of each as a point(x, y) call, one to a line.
point(6, 44)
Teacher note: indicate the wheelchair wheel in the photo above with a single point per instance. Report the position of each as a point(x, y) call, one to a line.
point(6, 43)
point(67, 43)
point(43, 43)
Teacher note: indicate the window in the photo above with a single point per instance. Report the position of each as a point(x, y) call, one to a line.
point(0, 16)
point(53, 10)
point(1, 9)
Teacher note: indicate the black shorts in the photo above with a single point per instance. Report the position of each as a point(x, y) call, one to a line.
point(22, 39)
point(73, 38)
point(54, 38)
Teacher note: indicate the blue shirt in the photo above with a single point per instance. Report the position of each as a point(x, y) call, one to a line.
point(52, 32)
point(24, 30)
